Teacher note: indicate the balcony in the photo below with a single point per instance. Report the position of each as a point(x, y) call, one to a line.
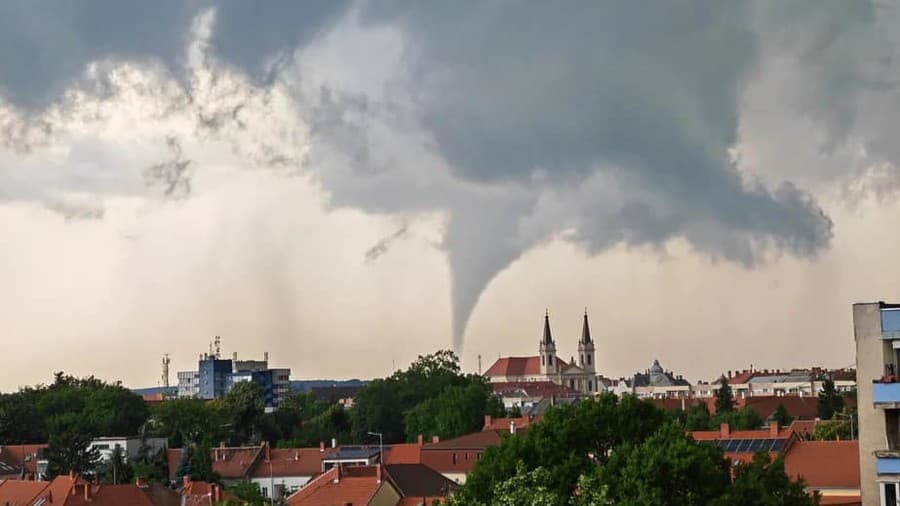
point(886, 395)
point(887, 462)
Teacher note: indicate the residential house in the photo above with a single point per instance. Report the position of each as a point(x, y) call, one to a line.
point(282, 472)
point(69, 490)
point(525, 394)
point(357, 485)
point(741, 445)
point(830, 468)
point(23, 461)
point(418, 484)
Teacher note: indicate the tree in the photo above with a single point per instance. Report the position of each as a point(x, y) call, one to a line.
point(184, 465)
point(668, 468)
point(456, 411)
point(244, 406)
point(183, 421)
point(830, 401)
point(116, 470)
point(781, 416)
point(248, 493)
point(742, 419)
point(842, 426)
point(698, 418)
point(69, 451)
point(724, 397)
point(528, 488)
point(201, 468)
point(765, 482)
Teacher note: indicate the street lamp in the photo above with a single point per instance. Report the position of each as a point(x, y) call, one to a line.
point(849, 417)
point(380, 446)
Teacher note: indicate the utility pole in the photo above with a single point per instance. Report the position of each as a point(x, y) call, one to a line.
point(165, 370)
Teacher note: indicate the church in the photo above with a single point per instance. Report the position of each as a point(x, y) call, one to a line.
point(548, 367)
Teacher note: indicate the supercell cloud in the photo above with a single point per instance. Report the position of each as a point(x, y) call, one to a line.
point(602, 123)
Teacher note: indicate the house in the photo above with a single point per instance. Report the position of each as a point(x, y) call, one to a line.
point(830, 468)
point(22, 461)
point(741, 445)
point(357, 485)
point(232, 464)
point(658, 383)
point(70, 490)
point(201, 493)
point(282, 472)
point(454, 458)
point(418, 484)
point(547, 366)
point(129, 446)
point(525, 394)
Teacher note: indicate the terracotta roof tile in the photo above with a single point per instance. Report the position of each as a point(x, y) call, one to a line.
point(503, 424)
point(407, 453)
point(25, 455)
point(824, 464)
point(21, 492)
point(324, 491)
point(515, 366)
point(110, 495)
point(418, 480)
point(473, 441)
point(283, 462)
point(231, 463)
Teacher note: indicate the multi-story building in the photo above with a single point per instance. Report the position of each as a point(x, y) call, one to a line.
point(876, 329)
point(654, 383)
point(188, 384)
point(214, 374)
point(547, 366)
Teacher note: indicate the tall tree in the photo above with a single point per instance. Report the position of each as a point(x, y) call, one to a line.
point(782, 416)
point(764, 482)
point(244, 405)
point(69, 451)
point(116, 470)
point(830, 401)
point(201, 464)
point(456, 411)
point(724, 397)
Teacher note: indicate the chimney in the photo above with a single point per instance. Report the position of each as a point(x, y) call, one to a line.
point(725, 430)
point(296, 456)
point(266, 356)
point(421, 441)
point(268, 453)
point(337, 474)
point(186, 480)
point(729, 374)
point(87, 492)
point(216, 494)
point(435, 439)
point(321, 446)
point(234, 356)
point(378, 473)
point(512, 427)
point(334, 442)
point(773, 429)
point(487, 421)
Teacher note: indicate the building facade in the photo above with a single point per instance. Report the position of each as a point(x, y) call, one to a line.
point(876, 329)
point(580, 376)
point(215, 377)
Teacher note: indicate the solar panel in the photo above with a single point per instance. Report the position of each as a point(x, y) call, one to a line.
point(756, 445)
point(777, 445)
point(744, 445)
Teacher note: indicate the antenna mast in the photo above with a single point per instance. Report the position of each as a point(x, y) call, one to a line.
point(165, 370)
point(218, 342)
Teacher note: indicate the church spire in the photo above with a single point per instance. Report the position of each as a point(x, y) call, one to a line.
point(548, 337)
point(585, 329)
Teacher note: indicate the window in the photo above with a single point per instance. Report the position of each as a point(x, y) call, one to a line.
point(590, 386)
point(888, 494)
point(542, 360)
point(589, 360)
point(467, 455)
point(454, 459)
point(550, 360)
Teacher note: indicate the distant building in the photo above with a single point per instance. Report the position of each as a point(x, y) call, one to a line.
point(654, 383)
point(216, 376)
point(765, 382)
point(548, 367)
point(129, 446)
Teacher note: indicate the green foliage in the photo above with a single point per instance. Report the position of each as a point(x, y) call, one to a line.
point(595, 428)
point(248, 493)
point(528, 488)
point(830, 401)
point(763, 483)
point(183, 421)
point(782, 416)
point(456, 411)
point(244, 407)
point(405, 404)
point(201, 464)
point(698, 418)
point(116, 470)
point(667, 468)
point(68, 452)
point(843, 425)
point(743, 419)
point(724, 397)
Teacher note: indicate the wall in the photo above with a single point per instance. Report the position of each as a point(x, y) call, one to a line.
point(869, 366)
point(291, 483)
point(385, 496)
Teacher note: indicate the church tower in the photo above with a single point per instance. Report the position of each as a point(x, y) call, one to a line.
point(586, 356)
point(549, 367)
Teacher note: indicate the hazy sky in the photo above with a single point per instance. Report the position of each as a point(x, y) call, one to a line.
point(349, 184)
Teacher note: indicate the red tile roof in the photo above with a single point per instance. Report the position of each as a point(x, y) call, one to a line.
point(407, 453)
point(20, 492)
point(25, 455)
point(804, 429)
point(109, 495)
point(230, 463)
point(473, 441)
point(515, 366)
point(716, 435)
point(337, 487)
point(503, 424)
point(284, 462)
point(824, 464)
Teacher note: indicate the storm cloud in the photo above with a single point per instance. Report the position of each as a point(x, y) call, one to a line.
point(602, 123)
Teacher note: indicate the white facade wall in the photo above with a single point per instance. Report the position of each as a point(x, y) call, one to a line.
point(290, 484)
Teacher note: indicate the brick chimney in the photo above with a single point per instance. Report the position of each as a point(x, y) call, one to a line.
point(435, 439)
point(186, 480)
point(773, 429)
point(321, 446)
point(421, 441)
point(725, 430)
point(140, 482)
point(87, 492)
point(378, 473)
point(216, 493)
point(268, 452)
point(487, 421)
point(512, 427)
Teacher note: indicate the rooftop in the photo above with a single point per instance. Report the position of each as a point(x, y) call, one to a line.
point(824, 464)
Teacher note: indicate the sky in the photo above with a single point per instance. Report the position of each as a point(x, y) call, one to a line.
point(349, 184)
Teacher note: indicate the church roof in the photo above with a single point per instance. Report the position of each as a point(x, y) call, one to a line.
point(515, 366)
point(585, 330)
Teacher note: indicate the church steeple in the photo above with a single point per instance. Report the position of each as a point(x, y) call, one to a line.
point(586, 354)
point(547, 349)
point(548, 336)
point(585, 329)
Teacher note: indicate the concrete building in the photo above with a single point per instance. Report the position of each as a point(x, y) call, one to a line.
point(876, 329)
point(216, 376)
point(130, 446)
point(580, 376)
point(188, 384)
